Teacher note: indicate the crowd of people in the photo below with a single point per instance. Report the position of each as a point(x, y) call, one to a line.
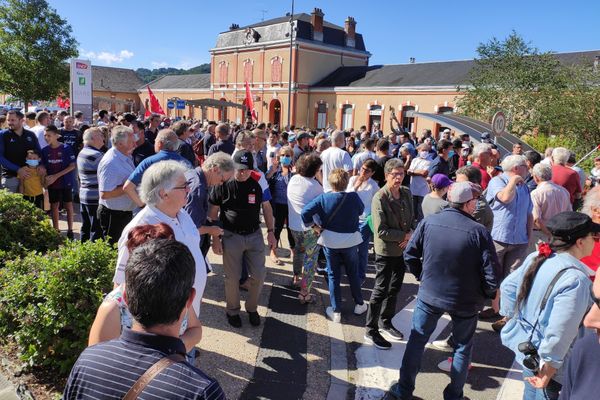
point(474, 226)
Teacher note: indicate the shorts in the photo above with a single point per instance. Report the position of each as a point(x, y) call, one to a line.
point(37, 200)
point(57, 195)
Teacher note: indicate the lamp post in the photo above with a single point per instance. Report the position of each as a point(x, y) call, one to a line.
point(289, 108)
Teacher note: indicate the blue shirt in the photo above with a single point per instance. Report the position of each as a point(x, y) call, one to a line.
point(197, 198)
point(278, 185)
point(226, 146)
point(136, 175)
point(510, 219)
point(109, 369)
point(88, 161)
point(559, 322)
point(345, 219)
point(113, 170)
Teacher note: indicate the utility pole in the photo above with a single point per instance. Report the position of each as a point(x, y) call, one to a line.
point(289, 115)
point(263, 14)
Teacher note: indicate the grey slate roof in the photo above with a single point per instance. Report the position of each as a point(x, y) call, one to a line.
point(276, 29)
point(191, 81)
point(445, 73)
point(115, 79)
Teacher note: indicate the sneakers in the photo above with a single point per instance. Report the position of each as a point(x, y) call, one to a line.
point(70, 235)
point(360, 309)
point(375, 338)
point(234, 320)
point(442, 345)
point(332, 315)
point(488, 314)
point(254, 318)
point(446, 365)
point(498, 325)
point(392, 333)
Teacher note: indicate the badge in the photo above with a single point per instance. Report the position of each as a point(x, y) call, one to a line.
point(251, 199)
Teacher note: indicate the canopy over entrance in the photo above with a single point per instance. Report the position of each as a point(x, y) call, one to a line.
point(213, 103)
point(474, 129)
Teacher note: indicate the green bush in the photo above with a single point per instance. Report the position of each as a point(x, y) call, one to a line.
point(48, 302)
point(23, 228)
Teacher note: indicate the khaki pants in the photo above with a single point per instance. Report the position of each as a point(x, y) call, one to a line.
point(251, 249)
point(510, 256)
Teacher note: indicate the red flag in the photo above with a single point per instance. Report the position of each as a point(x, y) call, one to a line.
point(154, 104)
point(250, 103)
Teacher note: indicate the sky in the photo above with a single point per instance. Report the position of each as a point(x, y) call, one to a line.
point(180, 33)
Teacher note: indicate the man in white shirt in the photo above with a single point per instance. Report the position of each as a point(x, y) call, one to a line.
point(360, 158)
point(418, 171)
point(42, 119)
point(335, 157)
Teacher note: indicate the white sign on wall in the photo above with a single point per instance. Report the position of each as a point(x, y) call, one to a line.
point(81, 88)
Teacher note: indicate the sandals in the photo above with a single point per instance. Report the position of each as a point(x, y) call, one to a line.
point(306, 298)
point(276, 260)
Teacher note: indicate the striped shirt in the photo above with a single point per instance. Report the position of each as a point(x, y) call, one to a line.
point(87, 168)
point(108, 370)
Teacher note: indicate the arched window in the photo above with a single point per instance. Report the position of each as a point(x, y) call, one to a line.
point(248, 70)
point(445, 110)
point(408, 118)
point(223, 73)
point(346, 116)
point(276, 70)
point(321, 115)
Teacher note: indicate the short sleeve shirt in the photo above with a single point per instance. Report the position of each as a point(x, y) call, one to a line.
point(240, 204)
point(334, 158)
point(56, 160)
point(567, 178)
point(136, 175)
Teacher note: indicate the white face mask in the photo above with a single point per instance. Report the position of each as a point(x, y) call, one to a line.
point(136, 137)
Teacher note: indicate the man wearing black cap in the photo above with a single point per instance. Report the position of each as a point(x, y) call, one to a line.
point(239, 201)
point(301, 145)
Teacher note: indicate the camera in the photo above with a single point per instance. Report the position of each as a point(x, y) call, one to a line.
point(532, 358)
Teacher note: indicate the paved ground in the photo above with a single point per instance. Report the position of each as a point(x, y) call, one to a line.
point(298, 354)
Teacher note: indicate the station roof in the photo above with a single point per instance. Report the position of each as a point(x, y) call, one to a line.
point(190, 81)
point(115, 79)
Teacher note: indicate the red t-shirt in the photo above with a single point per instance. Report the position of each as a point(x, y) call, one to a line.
point(567, 178)
point(485, 177)
point(593, 261)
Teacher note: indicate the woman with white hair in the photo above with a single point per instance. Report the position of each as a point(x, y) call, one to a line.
point(591, 207)
point(164, 190)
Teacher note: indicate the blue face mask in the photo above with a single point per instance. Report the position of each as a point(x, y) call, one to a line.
point(451, 154)
point(285, 160)
point(32, 163)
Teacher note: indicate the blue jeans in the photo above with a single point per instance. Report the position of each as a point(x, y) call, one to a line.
point(550, 392)
point(425, 319)
point(335, 259)
point(363, 250)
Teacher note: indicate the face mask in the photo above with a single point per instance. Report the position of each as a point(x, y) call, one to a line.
point(32, 163)
point(136, 137)
point(451, 154)
point(286, 160)
point(423, 154)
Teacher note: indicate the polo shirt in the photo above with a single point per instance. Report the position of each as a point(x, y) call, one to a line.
point(113, 170)
point(185, 232)
point(240, 204)
point(510, 219)
point(13, 150)
point(109, 369)
point(56, 160)
point(567, 178)
point(197, 198)
point(226, 146)
point(142, 152)
point(136, 175)
point(88, 161)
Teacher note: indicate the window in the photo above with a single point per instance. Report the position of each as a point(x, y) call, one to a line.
point(276, 70)
point(248, 69)
point(408, 118)
point(223, 73)
point(346, 116)
point(445, 110)
point(321, 115)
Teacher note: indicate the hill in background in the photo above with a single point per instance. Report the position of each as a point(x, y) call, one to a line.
point(148, 75)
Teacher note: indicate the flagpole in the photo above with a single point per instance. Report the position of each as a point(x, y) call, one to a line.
point(290, 69)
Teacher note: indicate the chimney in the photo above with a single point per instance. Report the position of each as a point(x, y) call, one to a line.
point(233, 27)
point(316, 20)
point(350, 29)
point(411, 60)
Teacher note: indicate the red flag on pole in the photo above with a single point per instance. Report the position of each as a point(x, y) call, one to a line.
point(154, 104)
point(250, 103)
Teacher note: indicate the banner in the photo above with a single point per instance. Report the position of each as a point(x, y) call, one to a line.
point(81, 88)
point(154, 104)
point(250, 103)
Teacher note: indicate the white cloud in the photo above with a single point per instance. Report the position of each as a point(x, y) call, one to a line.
point(108, 57)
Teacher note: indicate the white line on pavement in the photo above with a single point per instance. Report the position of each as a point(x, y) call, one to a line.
point(512, 386)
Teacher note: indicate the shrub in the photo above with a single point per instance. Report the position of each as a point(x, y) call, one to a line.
point(48, 302)
point(23, 228)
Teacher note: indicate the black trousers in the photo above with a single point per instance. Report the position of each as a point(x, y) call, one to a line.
point(113, 222)
point(90, 224)
point(388, 281)
point(280, 214)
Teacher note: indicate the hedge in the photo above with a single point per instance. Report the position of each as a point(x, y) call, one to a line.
point(48, 302)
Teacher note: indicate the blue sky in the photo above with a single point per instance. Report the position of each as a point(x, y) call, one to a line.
point(180, 33)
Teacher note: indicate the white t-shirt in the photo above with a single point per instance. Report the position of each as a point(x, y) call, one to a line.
point(185, 231)
point(418, 184)
point(300, 191)
point(366, 191)
point(359, 159)
point(333, 158)
point(39, 134)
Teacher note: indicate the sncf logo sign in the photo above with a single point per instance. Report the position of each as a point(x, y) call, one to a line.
point(80, 65)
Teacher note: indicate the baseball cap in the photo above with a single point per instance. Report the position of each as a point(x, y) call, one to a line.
point(571, 225)
point(243, 160)
point(440, 181)
point(461, 192)
point(291, 138)
point(304, 135)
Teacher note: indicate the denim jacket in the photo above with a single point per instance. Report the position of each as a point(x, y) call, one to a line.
point(560, 321)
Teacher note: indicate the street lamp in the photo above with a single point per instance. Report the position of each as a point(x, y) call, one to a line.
point(289, 108)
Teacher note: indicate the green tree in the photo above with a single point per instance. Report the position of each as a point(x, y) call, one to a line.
point(35, 44)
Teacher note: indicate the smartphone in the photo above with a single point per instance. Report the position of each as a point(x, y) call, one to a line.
point(272, 154)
